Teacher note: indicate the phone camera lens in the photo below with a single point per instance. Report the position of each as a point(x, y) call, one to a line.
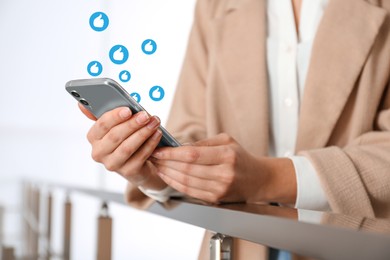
point(75, 94)
point(84, 102)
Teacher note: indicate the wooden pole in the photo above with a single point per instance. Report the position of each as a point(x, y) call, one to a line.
point(7, 253)
point(67, 228)
point(49, 224)
point(104, 239)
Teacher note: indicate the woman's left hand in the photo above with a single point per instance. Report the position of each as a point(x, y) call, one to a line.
point(220, 170)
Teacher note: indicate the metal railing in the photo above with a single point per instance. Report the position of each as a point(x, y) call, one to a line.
point(337, 237)
point(37, 216)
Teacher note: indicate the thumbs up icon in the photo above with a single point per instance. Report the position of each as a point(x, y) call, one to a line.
point(136, 96)
point(98, 21)
point(94, 68)
point(124, 76)
point(119, 54)
point(156, 93)
point(149, 46)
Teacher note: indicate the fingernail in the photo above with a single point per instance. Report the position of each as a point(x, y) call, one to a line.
point(157, 134)
point(142, 117)
point(153, 123)
point(125, 113)
point(156, 155)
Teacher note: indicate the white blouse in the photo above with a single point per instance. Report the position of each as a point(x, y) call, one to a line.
point(288, 57)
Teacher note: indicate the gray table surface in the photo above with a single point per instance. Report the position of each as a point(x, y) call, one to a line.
point(335, 236)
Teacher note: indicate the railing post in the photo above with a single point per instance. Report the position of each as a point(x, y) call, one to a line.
point(67, 228)
point(221, 247)
point(104, 238)
point(49, 224)
point(27, 211)
point(2, 210)
point(7, 253)
point(36, 221)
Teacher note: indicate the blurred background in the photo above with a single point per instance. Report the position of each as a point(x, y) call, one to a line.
point(44, 44)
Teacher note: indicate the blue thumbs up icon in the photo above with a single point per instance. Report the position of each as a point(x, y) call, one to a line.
point(119, 54)
point(136, 96)
point(149, 47)
point(94, 68)
point(99, 21)
point(156, 93)
point(124, 76)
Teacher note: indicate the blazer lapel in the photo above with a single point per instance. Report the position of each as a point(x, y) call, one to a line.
point(345, 35)
point(241, 46)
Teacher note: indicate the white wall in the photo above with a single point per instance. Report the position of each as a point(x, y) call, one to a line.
point(45, 43)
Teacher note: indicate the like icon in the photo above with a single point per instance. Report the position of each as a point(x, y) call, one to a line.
point(98, 21)
point(149, 47)
point(156, 93)
point(136, 96)
point(124, 76)
point(94, 68)
point(119, 54)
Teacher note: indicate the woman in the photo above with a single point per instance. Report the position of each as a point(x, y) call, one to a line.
point(249, 94)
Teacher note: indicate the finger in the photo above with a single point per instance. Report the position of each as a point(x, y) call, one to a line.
point(87, 112)
point(219, 139)
point(121, 132)
point(194, 170)
point(206, 155)
point(190, 191)
point(188, 180)
point(130, 146)
point(144, 152)
point(107, 121)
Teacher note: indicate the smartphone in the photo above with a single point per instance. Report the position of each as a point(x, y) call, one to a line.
point(100, 95)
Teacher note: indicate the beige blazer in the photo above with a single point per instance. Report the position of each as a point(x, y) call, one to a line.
point(345, 112)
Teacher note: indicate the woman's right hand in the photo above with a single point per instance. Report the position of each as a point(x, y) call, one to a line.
point(123, 142)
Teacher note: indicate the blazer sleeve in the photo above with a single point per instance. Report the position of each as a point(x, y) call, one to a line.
point(187, 114)
point(356, 178)
point(186, 120)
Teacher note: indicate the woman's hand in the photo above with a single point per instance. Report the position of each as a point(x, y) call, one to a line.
point(123, 142)
point(220, 170)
